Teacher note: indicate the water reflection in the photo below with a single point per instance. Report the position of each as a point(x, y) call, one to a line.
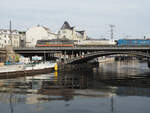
point(46, 87)
point(121, 69)
point(103, 85)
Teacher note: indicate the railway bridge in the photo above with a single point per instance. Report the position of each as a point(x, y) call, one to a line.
point(73, 50)
point(72, 55)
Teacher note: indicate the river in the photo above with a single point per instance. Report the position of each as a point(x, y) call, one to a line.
point(116, 87)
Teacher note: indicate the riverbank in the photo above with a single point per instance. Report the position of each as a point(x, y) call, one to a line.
point(11, 71)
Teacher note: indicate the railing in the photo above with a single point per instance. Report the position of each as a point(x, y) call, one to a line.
point(86, 48)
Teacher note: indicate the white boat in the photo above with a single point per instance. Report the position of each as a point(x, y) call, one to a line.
point(11, 68)
point(42, 65)
point(23, 67)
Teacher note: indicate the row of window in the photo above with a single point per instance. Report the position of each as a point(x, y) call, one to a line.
point(7, 42)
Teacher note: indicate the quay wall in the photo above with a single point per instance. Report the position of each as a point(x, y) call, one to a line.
point(14, 74)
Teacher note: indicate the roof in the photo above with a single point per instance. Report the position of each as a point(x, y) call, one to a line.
point(66, 25)
point(47, 29)
point(133, 39)
point(81, 32)
point(5, 30)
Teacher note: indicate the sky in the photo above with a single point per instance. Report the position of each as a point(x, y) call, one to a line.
point(130, 17)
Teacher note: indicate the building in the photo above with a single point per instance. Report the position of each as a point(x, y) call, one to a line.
point(9, 38)
point(38, 33)
point(69, 32)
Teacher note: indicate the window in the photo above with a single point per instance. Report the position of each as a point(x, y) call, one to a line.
point(64, 32)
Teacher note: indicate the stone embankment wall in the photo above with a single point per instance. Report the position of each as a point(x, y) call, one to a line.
point(10, 54)
point(2, 57)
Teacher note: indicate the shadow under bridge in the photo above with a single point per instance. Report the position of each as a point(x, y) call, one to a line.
point(90, 56)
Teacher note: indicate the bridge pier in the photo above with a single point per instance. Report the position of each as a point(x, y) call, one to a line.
point(72, 56)
point(2, 58)
point(148, 63)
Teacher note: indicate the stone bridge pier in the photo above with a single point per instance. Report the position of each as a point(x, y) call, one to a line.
point(2, 56)
point(148, 63)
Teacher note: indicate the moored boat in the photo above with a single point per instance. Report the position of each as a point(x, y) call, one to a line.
point(26, 69)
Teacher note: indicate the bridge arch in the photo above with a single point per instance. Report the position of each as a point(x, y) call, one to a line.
point(90, 56)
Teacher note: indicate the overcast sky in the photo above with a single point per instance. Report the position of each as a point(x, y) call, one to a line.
point(131, 17)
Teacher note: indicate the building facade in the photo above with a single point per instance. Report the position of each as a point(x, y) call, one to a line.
point(9, 38)
point(70, 33)
point(38, 33)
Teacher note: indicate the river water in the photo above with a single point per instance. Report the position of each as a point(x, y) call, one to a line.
point(117, 87)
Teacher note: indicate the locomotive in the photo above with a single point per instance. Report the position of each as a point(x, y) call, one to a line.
point(55, 43)
point(72, 43)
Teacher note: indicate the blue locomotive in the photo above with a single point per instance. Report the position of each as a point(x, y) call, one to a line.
point(133, 42)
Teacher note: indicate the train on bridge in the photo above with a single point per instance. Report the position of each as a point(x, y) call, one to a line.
point(72, 43)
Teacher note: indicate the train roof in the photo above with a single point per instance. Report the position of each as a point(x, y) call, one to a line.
point(133, 39)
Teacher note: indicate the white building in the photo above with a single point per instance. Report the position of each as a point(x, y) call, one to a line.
point(7, 38)
point(69, 32)
point(38, 33)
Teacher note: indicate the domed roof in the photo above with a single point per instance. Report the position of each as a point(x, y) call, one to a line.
point(66, 25)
